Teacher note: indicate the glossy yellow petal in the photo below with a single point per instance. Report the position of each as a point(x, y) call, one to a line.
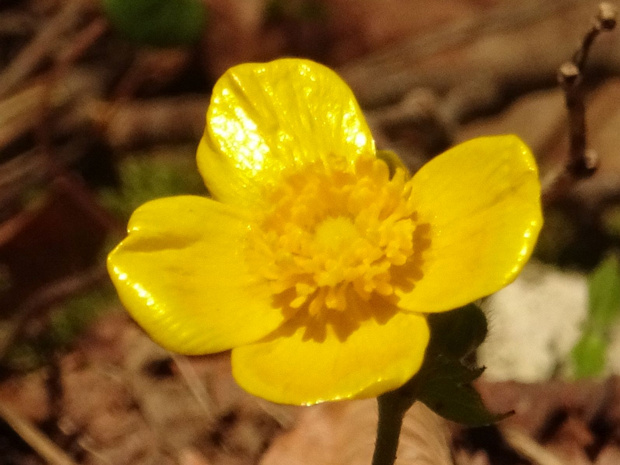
point(182, 276)
point(295, 367)
point(270, 117)
point(481, 201)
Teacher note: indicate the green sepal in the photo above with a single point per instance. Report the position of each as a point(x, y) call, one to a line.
point(393, 161)
point(457, 333)
point(444, 382)
point(159, 23)
point(444, 385)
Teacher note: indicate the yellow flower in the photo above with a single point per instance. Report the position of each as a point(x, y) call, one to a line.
point(310, 262)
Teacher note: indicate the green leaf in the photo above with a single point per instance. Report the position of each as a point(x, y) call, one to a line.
point(604, 294)
point(458, 332)
point(159, 23)
point(589, 355)
point(444, 385)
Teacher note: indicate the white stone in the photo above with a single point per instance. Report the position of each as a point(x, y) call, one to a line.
point(534, 324)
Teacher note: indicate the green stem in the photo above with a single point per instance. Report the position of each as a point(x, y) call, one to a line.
point(392, 410)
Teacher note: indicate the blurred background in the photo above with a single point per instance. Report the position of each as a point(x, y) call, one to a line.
point(102, 105)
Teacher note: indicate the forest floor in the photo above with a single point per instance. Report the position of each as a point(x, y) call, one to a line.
point(92, 125)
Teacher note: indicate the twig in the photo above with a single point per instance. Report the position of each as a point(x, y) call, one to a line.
point(81, 43)
point(529, 448)
point(605, 20)
point(582, 162)
point(133, 124)
point(49, 451)
point(21, 112)
point(40, 47)
point(193, 382)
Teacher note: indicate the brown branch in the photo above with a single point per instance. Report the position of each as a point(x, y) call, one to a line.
point(582, 162)
point(605, 20)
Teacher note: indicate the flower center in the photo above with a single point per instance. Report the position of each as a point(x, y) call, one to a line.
point(333, 235)
point(336, 234)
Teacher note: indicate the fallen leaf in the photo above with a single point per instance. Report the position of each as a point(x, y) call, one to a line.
point(344, 433)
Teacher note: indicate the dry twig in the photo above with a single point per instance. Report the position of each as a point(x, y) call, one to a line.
point(40, 47)
point(189, 375)
point(529, 448)
point(49, 451)
point(582, 161)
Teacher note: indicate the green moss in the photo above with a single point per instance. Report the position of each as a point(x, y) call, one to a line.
point(160, 23)
point(64, 324)
point(145, 178)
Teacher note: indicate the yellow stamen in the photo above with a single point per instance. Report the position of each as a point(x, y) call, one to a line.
point(337, 233)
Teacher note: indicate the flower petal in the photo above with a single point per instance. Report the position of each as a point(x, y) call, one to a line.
point(481, 200)
point(181, 274)
point(292, 368)
point(270, 117)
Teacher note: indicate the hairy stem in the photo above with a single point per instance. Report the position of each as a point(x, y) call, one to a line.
point(392, 410)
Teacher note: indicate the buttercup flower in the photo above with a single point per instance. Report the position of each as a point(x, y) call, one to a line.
point(310, 261)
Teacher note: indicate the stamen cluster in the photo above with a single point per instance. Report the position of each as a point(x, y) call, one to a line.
point(333, 233)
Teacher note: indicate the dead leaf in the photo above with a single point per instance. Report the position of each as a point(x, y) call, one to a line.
point(344, 433)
